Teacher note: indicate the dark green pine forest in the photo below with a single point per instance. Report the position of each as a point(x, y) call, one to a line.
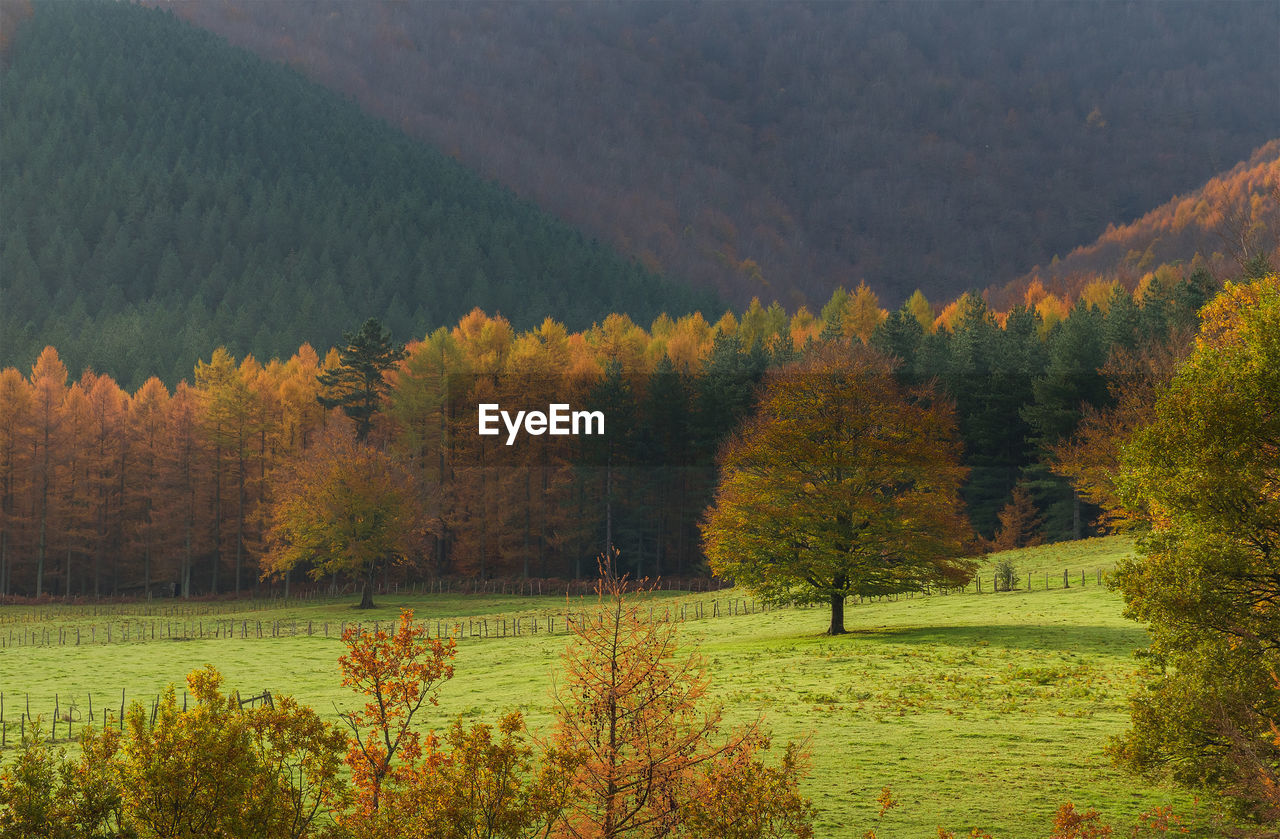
point(164, 194)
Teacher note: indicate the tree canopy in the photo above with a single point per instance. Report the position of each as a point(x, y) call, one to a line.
point(1205, 472)
point(842, 483)
point(345, 506)
point(357, 384)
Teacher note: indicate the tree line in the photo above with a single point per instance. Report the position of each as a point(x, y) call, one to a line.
point(105, 491)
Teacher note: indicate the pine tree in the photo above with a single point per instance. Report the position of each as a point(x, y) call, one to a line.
point(356, 385)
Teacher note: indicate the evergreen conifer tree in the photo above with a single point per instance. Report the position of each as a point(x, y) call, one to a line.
point(356, 385)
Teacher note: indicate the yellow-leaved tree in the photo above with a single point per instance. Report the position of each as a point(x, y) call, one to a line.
point(1204, 471)
point(347, 507)
point(842, 484)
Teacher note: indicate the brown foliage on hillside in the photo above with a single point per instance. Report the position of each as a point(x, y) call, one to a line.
point(780, 149)
point(1231, 220)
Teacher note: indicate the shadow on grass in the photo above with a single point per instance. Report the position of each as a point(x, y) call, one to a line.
point(1120, 640)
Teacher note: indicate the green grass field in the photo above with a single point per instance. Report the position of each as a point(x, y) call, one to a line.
point(977, 710)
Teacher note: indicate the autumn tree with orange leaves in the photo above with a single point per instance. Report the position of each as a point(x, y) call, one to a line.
point(842, 484)
point(643, 746)
point(399, 670)
point(1019, 523)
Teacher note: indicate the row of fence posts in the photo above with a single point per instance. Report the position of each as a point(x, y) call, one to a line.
point(475, 627)
point(978, 587)
point(68, 715)
point(1066, 580)
point(486, 627)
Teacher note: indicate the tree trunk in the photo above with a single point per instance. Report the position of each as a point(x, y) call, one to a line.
point(240, 504)
point(186, 553)
point(837, 615)
point(608, 507)
point(44, 517)
point(366, 595)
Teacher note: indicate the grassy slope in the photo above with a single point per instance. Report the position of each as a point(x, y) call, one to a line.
point(977, 711)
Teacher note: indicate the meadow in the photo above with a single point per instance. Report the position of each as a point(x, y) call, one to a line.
point(985, 711)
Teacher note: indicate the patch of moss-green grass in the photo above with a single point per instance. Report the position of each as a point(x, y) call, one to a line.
point(984, 711)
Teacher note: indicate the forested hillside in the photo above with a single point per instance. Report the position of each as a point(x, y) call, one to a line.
point(1229, 222)
point(164, 194)
point(781, 149)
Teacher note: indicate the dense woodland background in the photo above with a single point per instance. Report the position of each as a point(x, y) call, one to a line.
point(781, 149)
point(106, 491)
point(164, 194)
point(180, 215)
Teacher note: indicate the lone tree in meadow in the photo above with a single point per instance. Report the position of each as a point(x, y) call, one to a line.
point(356, 385)
point(842, 484)
point(343, 507)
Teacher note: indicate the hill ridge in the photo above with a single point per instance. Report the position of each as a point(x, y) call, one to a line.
point(1233, 218)
point(781, 150)
point(165, 193)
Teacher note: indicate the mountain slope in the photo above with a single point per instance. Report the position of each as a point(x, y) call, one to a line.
point(782, 149)
point(164, 193)
point(1230, 220)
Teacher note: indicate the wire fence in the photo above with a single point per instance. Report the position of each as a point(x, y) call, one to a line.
point(546, 622)
point(48, 609)
point(69, 717)
point(67, 625)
